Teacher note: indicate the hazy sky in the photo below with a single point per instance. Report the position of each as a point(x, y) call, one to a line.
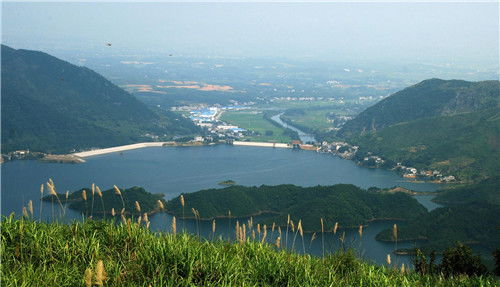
point(424, 32)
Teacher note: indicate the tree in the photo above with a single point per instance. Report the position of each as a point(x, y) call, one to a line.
point(460, 260)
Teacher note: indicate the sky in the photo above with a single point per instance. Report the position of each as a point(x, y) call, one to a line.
point(411, 32)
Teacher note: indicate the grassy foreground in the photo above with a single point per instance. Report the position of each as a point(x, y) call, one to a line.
point(41, 254)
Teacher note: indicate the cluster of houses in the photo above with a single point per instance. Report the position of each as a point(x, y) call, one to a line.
point(347, 151)
point(208, 118)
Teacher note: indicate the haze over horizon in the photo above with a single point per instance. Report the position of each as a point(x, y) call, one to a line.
point(457, 33)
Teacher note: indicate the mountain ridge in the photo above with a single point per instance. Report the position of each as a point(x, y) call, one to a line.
point(50, 105)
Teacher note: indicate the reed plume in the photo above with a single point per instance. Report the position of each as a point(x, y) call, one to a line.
point(213, 229)
point(113, 213)
point(335, 227)
point(52, 191)
point(264, 228)
point(25, 212)
point(403, 270)
point(137, 206)
point(395, 236)
point(272, 229)
point(395, 232)
point(66, 201)
point(99, 193)
point(160, 205)
point(301, 231)
point(237, 230)
point(244, 233)
point(30, 207)
point(174, 226)
point(196, 217)
point(118, 192)
point(312, 239)
point(124, 220)
point(100, 273)
point(84, 196)
point(360, 231)
point(253, 234)
point(181, 198)
point(139, 220)
point(145, 217)
point(286, 235)
point(388, 259)
point(87, 278)
point(278, 242)
point(322, 238)
point(92, 204)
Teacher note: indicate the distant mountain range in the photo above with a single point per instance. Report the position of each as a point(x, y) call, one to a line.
point(452, 126)
point(50, 105)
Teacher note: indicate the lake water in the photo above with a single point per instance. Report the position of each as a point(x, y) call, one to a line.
point(175, 170)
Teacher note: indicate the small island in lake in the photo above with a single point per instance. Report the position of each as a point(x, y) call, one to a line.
point(110, 200)
point(346, 204)
point(227, 182)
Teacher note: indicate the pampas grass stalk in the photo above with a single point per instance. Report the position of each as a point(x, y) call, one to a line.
point(99, 193)
point(174, 226)
point(41, 202)
point(278, 242)
point(264, 228)
point(388, 259)
point(84, 196)
point(52, 191)
point(92, 204)
point(213, 229)
point(183, 203)
point(312, 239)
point(301, 231)
point(335, 227)
point(322, 238)
point(30, 207)
point(286, 234)
point(118, 192)
point(137, 207)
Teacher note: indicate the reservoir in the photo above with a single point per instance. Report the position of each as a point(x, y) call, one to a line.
point(175, 170)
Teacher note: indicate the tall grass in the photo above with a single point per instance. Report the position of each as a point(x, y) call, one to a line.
point(92, 252)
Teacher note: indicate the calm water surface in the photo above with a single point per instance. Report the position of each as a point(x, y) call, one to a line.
point(175, 170)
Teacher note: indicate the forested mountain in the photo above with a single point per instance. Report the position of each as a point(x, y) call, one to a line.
point(51, 105)
point(429, 98)
point(449, 126)
point(464, 145)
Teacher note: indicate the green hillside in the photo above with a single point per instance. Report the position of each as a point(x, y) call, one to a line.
point(51, 105)
point(471, 215)
point(464, 145)
point(440, 228)
point(487, 191)
point(343, 203)
point(429, 98)
point(106, 254)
